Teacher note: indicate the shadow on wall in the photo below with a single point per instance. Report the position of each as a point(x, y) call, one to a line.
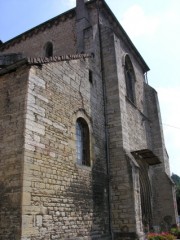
point(9, 213)
point(87, 192)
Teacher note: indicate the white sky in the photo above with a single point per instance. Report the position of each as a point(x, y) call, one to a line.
point(154, 28)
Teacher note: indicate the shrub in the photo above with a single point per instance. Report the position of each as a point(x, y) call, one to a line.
point(175, 232)
point(160, 236)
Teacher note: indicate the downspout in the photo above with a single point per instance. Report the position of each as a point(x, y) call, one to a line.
point(105, 114)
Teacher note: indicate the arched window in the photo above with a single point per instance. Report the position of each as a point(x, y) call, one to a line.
point(82, 142)
point(130, 79)
point(48, 49)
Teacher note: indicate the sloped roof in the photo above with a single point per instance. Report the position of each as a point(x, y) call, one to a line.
point(146, 155)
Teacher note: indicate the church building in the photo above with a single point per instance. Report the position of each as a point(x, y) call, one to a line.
point(82, 152)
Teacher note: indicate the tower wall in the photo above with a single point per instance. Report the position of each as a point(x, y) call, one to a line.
point(124, 175)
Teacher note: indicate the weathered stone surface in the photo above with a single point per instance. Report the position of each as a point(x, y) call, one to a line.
point(44, 193)
point(12, 125)
point(63, 189)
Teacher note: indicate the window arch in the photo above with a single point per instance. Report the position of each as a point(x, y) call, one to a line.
point(82, 142)
point(48, 49)
point(130, 79)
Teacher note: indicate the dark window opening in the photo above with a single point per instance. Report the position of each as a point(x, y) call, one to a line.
point(49, 50)
point(130, 79)
point(90, 76)
point(82, 142)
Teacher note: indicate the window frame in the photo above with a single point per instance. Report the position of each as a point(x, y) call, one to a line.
point(91, 76)
point(82, 142)
point(130, 79)
point(48, 49)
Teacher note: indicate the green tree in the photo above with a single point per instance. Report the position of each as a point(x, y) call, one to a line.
point(176, 180)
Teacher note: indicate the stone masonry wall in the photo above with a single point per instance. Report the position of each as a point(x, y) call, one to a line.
point(62, 36)
point(137, 120)
point(133, 127)
point(12, 107)
point(62, 199)
point(127, 133)
point(133, 115)
point(133, 131)
point(123, 173)
point(164, 202)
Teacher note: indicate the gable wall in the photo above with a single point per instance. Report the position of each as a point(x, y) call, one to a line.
point(61, 35)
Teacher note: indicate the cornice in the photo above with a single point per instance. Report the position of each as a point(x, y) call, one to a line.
point(40, 61)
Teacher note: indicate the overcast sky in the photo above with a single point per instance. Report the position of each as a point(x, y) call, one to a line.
point(154, 28)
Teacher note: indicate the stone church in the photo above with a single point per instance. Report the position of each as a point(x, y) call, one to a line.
point(82, 153)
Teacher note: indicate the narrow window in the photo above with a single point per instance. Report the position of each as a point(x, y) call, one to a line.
point(90, 76)
point(82, 142)
point(48, 49)
point(130, 79)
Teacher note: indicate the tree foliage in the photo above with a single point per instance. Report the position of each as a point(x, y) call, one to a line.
point(176, 180)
